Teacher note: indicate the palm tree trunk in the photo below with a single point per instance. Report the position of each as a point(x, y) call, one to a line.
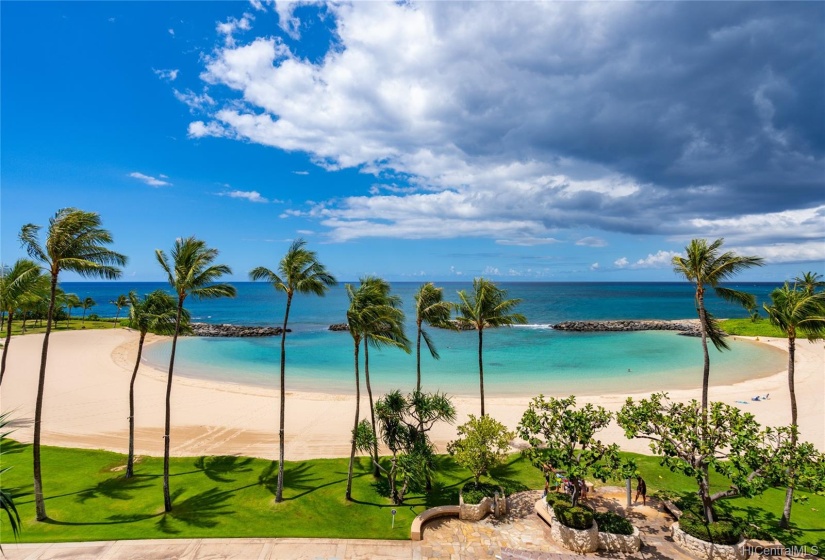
point(130, 461)
point(376, 472)
point(418, 360)
point(6, 347)
point(279, 493)
point(83, 320)
point(481, 366)
point(355, 426)
point(39, 503)
point(703, 328)
point(69, 319)
point(117, 315)
point(785, 521)
point(167, 500)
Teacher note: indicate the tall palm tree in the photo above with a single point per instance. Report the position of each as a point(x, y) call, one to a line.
point(811, 281)
point(705, 265)
point(155, 313)
point(86, 304)
point(298, 272)
point(797, 311)
point(121, 302)
point(384, 327)
point(486, 307)
point(15, 283)
point(430, 308)
point(190, 272)
point(72, 301)
point(74, 242)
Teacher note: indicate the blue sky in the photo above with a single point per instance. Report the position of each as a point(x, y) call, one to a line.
point(431, 141)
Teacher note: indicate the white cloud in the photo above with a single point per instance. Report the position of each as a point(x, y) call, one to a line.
point(661, 259)
point(199, 129)
point(257, 5)
point(528, 241)
point(169, 75)
point(594, 266)
point(305, 232)
point(171, 32)
point(301, 172)
point(194, 101)
point(490, 271)
point(149, 180)
point(621, 263)
point(233, 25)
point(251, 196)
point(455, 272)
point(807, 251)
point(592, 242)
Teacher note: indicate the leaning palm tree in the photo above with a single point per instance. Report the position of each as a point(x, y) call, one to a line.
point(72, 301)
point(796, 311)
point(811, 281)
point(74, 242)
point(154, 313)
point(190, 272)
point(705, 265)
point(487, 307)
point(298, 272)
point(384, 327)
point(15, 284)
point(121, 302)
point(430, 308)
point(86, 304)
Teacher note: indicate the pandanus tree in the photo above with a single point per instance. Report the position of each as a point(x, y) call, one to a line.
point(298, 272)
point(75, 242)
point(798, 311)
point(86, 304)
point(190, 272)
point(72, 301)
point(430, 308)
point(486, 307)
point(706, 266)
point(121, 302)
point(16, 283)
point(155, 313)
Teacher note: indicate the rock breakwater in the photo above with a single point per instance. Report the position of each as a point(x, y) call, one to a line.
point(686, 327)
point(206, 329)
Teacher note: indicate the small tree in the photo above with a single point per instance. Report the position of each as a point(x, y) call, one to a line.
point(563, 436)
point(729, 441)
point(86, 304)
point(121, 302)
point(482, 445)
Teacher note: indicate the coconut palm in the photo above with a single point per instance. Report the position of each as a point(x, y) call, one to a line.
point(190, 272)
point(154, 313)
point(797, 311)
point(121, 302)
point(6, 499)
point(705, 265)
point(72, 301)
point(811, 281)
point(74, 242)
point(16, 283)
point(298, 272)
point(430, 308)
point(384, 327)
point(486, 307)
point(86, 304)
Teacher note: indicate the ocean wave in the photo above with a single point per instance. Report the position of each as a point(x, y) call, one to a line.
point(535, 327)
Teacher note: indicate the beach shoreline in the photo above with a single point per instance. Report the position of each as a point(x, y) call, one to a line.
point(86, 403)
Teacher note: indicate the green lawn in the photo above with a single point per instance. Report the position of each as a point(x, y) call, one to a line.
point(88, 498)
point(747, 327)
point(76, 324)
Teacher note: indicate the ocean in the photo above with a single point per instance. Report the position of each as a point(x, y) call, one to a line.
point(523, 360)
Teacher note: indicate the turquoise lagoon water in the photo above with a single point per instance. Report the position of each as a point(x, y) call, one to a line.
point(518, 361)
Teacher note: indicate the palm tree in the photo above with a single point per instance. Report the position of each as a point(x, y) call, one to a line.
point(705, 266)
point(190, 272)
point(74, 242)
point(86, 304)
point(15, 283)
point(486, 308)
point(430, 308)
point(797, 311)
point(299, 271)
point(384, 326)
point(811, 281)
point(121, 302)
point(72, 301)
point(155, 313)
point(6, 499)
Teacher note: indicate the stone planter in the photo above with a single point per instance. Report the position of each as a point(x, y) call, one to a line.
point(574, 539)
point(477, 512)
point(620, 543)
point(704, 550)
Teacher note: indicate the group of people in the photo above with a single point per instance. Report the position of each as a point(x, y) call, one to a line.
point(568, 485)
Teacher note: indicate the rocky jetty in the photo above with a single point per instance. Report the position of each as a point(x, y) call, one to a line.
point(206, 329)
point(687, 327)
point(339, 327)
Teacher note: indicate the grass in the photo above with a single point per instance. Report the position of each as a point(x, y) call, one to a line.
point(76, 324)
point(748, 327)
point(88, 499)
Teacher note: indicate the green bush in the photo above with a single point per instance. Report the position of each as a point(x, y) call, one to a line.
point(93, 317)
point(723, 531)
point(554, 498)
point(579, 517)
point(473, 493)
point(610, 522)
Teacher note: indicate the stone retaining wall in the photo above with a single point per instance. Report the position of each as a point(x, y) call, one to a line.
point(687, 327)
point(477, 512)
point(207, 329)
point(620, 543)
point(589, 540)
point(704, 550)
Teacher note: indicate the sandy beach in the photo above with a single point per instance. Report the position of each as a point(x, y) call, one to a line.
point(87, 388)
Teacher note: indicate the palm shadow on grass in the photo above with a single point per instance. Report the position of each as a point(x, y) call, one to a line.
point(296, 477)
point(10, 446)
point(218, 467)
point(203, 510)
point(116, 488)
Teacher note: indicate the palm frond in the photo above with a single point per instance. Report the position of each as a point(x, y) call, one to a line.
point(746, 300)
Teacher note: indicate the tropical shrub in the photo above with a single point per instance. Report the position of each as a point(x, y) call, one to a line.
point(614, 523)
point(723, 531)
point(575, 517)
point(483, 444)
point(554, 498)
point(474, 492)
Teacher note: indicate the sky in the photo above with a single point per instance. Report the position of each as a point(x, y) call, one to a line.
point(563, 141)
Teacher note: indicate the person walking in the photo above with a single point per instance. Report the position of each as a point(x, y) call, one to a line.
point(641, 490)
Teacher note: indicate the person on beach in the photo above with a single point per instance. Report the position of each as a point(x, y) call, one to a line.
point(582, 489)
point(641, 490)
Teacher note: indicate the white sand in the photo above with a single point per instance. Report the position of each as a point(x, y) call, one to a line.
point(87, 388)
